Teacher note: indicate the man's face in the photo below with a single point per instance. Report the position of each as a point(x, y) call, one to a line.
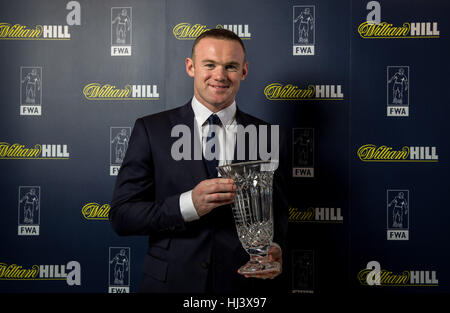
point(218, 67)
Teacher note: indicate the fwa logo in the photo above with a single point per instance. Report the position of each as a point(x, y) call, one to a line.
point(398, 211)
point(119, 270)
point(121, 31)
point(29, 210)
point(397, 90)
point(303, 24)
point(30, 90)
point(119, 139)
point(302, 271)
point(303, 152)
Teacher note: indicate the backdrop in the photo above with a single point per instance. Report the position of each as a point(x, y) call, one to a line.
point(359, 86)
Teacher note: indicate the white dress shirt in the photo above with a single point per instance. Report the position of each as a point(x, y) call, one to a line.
point(226, 137)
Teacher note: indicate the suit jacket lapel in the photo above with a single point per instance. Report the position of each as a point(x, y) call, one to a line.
point(194, 167)
point(242, 120)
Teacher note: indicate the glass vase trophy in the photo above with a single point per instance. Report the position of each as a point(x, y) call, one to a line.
point(252, 211)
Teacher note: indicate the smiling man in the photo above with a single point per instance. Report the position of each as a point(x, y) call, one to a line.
point(182, 205)
point(218, 66)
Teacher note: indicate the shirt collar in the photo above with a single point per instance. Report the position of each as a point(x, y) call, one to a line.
point(202, 113)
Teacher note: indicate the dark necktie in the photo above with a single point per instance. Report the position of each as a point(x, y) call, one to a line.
point(214, 123)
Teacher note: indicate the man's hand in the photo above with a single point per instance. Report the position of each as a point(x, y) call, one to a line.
point(274, 254)
point(211, 193)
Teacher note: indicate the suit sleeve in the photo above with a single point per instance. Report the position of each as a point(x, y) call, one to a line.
point(134, 210)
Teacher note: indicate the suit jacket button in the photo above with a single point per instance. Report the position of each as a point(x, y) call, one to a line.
point(204, 264)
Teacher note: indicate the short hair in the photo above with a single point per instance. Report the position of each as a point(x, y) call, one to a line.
point(218, 33)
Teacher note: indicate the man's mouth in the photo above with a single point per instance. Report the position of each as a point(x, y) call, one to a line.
point(219, 87)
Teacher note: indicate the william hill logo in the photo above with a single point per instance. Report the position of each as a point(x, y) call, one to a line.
point(18, 151)
point(373, 275)
point(96, 91)
point(375, 28)
point(385, 30)
point(38, 32)
point(277, 91)
point(318, 215)
point(188, 31)
point(43, 32)
point(96, 211)
point(70, 272)
point(372, 153)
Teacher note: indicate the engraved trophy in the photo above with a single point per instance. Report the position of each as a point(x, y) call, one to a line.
point(252, 211)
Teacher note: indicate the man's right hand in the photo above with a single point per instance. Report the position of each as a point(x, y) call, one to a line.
point(211, 193)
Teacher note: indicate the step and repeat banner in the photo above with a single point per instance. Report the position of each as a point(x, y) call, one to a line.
point(360, 88)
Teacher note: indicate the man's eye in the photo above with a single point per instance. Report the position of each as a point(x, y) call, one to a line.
point(209, 65)
point(232, 68)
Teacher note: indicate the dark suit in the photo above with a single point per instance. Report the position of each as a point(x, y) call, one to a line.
point(198, 256)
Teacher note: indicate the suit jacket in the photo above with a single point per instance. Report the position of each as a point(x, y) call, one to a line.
point(195, 257)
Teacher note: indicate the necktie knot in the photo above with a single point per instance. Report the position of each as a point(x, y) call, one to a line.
point(213, 122)
point(213, 119)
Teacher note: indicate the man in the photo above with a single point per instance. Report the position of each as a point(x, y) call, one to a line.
point(120, 267)
point(123, 26)
point(32, 84)
point(121, 141)
point(306, 24)
point(31, 203)
point(184, 209)
point(400, 210)
point(399, 87)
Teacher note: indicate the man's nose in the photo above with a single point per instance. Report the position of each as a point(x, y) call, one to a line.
point(220, 73)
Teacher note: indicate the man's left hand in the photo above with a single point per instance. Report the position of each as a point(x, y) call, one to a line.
point(274, 254)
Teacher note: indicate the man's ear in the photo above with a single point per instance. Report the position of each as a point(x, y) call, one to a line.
point(190, 67)
point(244, 70)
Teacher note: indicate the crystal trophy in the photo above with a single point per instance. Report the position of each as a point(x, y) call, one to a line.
point(253, 211)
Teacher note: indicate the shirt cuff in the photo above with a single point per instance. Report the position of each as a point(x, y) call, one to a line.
point(188, 211)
